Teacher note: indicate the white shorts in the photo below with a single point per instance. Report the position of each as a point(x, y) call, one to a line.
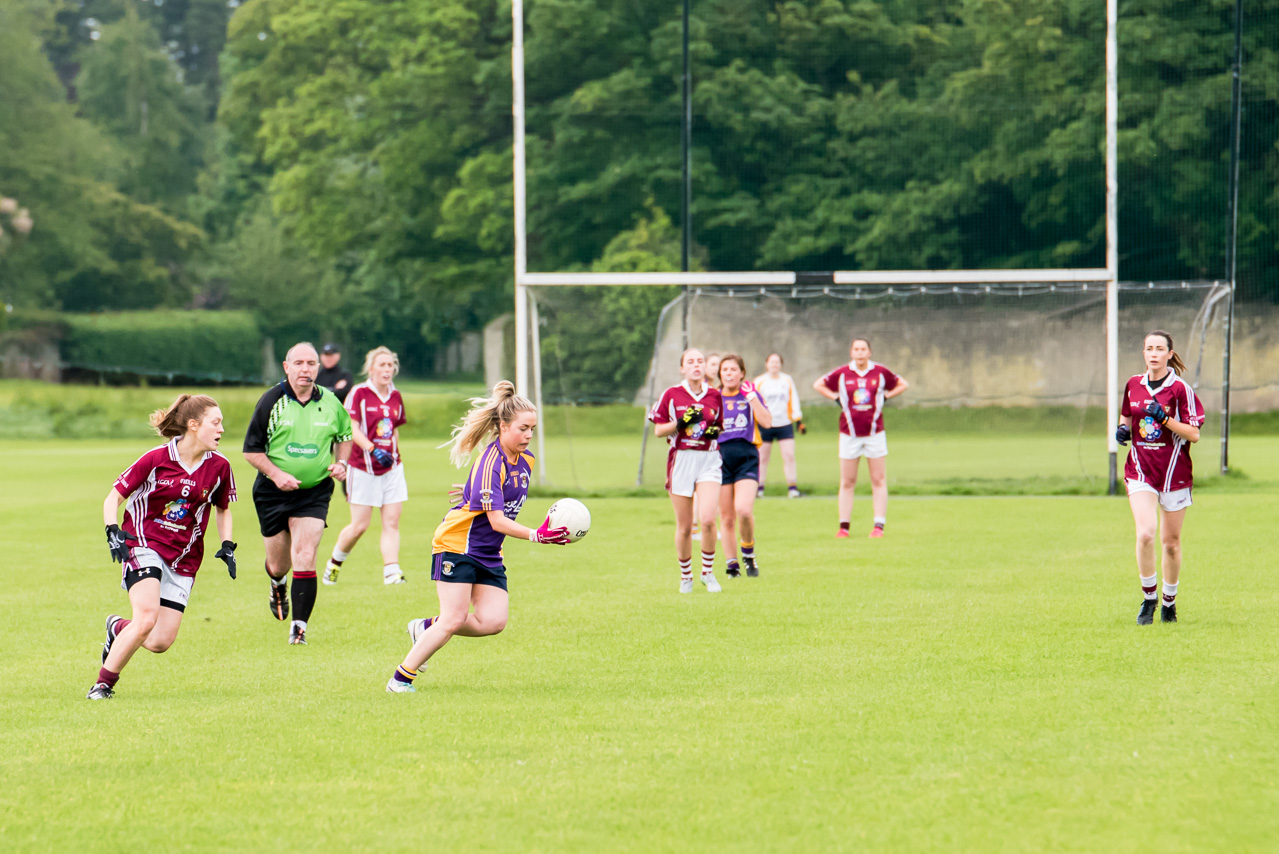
point(1177, 499)
point(374, 490)
point(871, 447)
point(173, 587)
point(686, 469)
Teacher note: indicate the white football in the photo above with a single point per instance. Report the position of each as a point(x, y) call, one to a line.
point(572, 514)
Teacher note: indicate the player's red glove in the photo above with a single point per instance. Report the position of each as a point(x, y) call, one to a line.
point(748, 388)
point(547, 534)
point(691, 415)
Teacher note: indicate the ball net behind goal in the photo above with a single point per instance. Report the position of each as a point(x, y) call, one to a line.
point(1008, 382)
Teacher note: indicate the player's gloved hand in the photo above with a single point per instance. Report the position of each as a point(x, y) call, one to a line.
point(801, 427)
point(712, 431)
point(547, 534)
point(691, 415)
point(382, 457)
point(227, 553)
point(1157, 412)
point(118, 543)
point(1123, 435)
point(748, 388)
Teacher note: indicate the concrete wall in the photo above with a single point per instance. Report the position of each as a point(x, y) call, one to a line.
point(978, 352)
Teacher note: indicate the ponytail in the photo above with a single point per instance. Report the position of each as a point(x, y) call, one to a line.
point(172, 422)
point(486, 416)
point(1174, 360)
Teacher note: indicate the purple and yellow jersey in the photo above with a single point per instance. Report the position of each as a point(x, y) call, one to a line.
point(739, 419)
point(494, 484)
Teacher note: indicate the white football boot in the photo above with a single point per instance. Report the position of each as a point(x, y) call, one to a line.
point(395, 686)
point(686, 585)
point(712, 586)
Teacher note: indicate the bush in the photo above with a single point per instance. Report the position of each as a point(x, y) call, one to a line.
point(223, 346)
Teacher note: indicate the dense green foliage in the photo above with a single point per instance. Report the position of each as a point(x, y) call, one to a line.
point(972, 682)
point(212, 345)
point(342, 169)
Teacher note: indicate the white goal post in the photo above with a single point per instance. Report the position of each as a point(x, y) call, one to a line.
point(1109, 275)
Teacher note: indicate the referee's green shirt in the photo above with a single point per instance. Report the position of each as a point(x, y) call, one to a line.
point(298, 437)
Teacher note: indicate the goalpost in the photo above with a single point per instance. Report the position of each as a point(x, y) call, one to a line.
point(1107, 276)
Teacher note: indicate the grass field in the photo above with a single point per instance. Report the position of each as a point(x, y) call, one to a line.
point(972, 682)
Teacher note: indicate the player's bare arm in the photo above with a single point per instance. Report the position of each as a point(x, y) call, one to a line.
point(900, 388)
point(364, 443)
point(820, 387)
point(664, 430)
point(111, 507)
point(272, 472)
point(341, 454)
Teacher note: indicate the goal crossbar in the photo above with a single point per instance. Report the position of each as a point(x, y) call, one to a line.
point(838, 277)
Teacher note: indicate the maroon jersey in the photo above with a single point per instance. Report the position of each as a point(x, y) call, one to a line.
point(168, 506)
point(861, 397)
point(1159, 457)
point(675, 400)
point(377, 419)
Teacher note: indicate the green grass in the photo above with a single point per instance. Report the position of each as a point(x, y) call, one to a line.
point(972, 682)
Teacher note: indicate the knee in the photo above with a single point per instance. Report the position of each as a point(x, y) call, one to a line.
point(143, 622)
point(358, 528)
point(1172, 546)
point(746, 516)
point(158, 645)
point(847, 482)
point(878, 481)
point(683, 529)
point(390, 524)
point(1145, 537)
point(449, 623)
point(494, 626)
point(729, 522)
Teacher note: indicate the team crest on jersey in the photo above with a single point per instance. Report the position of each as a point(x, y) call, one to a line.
point(383, 429)
point(176, 511)
point(1149, 429)
point(486, 496)
point(696, 430)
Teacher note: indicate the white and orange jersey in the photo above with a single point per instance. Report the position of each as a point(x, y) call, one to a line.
point(781, 397)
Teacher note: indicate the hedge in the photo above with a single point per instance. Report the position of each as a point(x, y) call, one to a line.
point(224, 346)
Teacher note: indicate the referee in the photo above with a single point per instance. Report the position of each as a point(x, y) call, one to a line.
point(291, 442)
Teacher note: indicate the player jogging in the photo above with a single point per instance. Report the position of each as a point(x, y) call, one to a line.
point(689, 417)
point(860, 388)
point(167, 493)
point(780, 395)
point(298, 439)
point(739, 461)
point(1161, 415)
point(376, 478)
point(467, 563)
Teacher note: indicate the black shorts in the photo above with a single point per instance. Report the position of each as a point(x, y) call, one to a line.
point(464, 569)
point(276, 507)
point(739, 460)
point(774, 434)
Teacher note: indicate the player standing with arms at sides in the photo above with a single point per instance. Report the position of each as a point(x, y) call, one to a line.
point(298, 439)
point(739, 461)
point(376, 478)
point(782, 399)
point(689, 417)
point(1161, 415)
point(860, 388)
point(467, 563)
point(167, 493)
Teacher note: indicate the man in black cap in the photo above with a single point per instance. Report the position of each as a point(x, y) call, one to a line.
point(332, 375)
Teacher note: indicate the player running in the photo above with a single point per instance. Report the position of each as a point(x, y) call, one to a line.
point(1161, 415)
point(739, 461)
point(690, 417)
point(168, 491)
point(376, 478)
point(860, 388)
point(298, 439)
point(780, 395)
point(467, 565)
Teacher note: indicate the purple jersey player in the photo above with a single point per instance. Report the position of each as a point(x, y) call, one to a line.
point(744, 413)
point(467, 562)
point(170, 492)
point(1161, 416)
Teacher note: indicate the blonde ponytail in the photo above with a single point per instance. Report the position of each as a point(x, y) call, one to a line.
point(172, 422)
point(486, 416)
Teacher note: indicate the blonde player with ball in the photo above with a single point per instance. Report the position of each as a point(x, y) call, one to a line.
point(468, 566)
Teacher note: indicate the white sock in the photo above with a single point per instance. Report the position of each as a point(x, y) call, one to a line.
point(1150, 586)
point(881, 521)
point(339, 555)
point(686, 567)
point(708, 563)
point(299, 624)
point(391, 569)
point(1170, 593)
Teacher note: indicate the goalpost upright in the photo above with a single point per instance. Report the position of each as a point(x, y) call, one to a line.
point(1108, 275)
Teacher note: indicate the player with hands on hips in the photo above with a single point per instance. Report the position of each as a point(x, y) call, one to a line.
point(860, 388)
point(693, 465)
point(376, 409)
point(467, 561)
point(167, 493)
point(1161, 416)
